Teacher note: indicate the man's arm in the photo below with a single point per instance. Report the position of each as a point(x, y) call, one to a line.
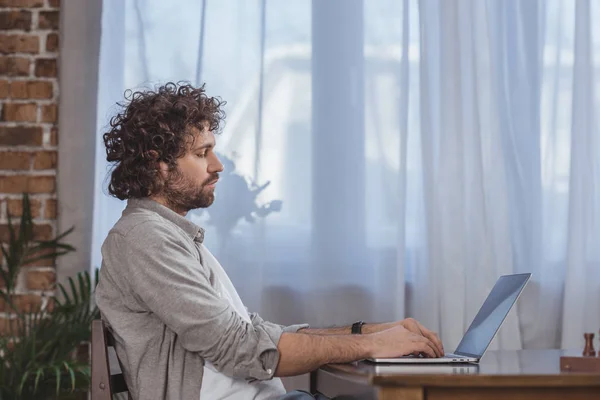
point(346, 330)
point(408, 323)
point(301, 353)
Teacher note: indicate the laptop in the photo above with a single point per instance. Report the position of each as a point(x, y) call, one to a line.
point(417, 369)
point(482, 330)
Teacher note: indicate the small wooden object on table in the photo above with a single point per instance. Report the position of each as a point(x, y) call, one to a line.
point(588, 362)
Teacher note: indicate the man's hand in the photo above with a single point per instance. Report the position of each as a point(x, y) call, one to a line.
point(411, 325)
point(399, 341)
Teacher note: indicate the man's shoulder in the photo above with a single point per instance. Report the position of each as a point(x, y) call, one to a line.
point(140, 224)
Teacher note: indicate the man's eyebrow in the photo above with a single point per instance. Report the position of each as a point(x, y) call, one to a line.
point(205, 145)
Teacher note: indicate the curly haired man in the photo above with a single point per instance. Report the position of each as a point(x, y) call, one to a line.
point(181, 330)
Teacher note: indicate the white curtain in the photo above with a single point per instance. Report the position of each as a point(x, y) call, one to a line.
point(414, 151)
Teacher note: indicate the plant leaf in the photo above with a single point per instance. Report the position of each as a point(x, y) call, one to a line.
point(11, 229)
point(83, 289)
point(96, 275)
point(40, 373)
point(70, 370)
point(65, 233)
point(23, 380)
point(26, 228)
point(57, 372)
point(73, 291)
point(47, 256)
point(67, 298)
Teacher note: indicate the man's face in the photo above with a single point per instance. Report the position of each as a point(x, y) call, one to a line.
point(192, 184)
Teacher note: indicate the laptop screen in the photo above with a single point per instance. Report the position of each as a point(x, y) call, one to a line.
point(491, 314)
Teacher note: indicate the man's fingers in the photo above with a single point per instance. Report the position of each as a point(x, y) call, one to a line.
point(426, 347)
point(430, 346)
point(433, 337)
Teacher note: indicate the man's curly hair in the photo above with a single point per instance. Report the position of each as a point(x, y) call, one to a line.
point(155, 126)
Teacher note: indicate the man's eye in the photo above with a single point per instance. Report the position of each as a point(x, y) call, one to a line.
point(201, 155)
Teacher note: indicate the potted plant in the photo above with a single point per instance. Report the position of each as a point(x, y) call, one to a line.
point(39, 348)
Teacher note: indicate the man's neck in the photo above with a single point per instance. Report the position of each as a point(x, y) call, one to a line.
point(161, 200)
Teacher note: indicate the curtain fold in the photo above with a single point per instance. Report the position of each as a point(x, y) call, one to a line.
point(581, 304)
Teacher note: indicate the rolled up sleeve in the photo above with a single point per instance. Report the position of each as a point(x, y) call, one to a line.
point(274, 331)
point(257, 320)
point(166, 278)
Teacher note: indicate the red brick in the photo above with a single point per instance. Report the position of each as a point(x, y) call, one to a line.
point(45, 160)
point(22, 302)
point(31, 90)
point(54, 136)
point(41, 184)
point(29, 184)
point(14, 66)
point(40, 232)
point(20, 112)
point(50, 304)
point(19, 44)
point(13, 184)
point(52, 42)
point(14, 207)
point(49, 20)
point(40, 280)
point(54, 3)
point(8, 326)
point(21, 3)
point(27, 302)
point(44, 262)
point(4, 89)
point(50, 209)
point(49, 113)
point(4, 307)
point(46, 67)
point(15, 160)
point(15, 20)
point(21, 136)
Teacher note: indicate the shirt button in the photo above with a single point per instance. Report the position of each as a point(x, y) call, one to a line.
point(269, 371)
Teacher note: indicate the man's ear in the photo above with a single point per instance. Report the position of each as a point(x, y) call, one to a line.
point(163, 168)
point(151, 155)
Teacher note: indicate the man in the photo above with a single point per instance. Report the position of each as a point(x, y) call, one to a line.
point(181, 329)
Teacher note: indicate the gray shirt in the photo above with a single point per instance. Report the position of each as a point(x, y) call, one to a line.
point(157, 296)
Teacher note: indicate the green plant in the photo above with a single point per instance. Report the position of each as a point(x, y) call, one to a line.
point(39, 352)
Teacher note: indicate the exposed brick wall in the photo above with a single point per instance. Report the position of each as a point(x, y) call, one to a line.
point(28, 129)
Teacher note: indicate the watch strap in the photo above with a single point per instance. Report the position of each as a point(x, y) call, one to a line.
point(357, 327)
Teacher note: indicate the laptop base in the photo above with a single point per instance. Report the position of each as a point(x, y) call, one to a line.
point(446, 359)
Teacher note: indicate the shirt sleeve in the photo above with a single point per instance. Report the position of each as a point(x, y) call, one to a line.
point(257, 320)
point(166, 277)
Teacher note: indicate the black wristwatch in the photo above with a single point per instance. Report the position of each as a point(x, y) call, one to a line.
point(357, 327)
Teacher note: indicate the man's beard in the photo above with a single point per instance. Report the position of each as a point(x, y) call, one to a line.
point(183, 194)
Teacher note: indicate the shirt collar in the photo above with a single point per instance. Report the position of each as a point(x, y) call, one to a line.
point(195, 232)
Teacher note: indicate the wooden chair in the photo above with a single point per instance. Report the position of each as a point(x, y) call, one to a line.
point(104, 383)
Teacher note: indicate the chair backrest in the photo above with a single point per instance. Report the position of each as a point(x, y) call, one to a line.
point(104, 385)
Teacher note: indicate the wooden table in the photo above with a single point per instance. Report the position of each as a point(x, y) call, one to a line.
point(515, 375)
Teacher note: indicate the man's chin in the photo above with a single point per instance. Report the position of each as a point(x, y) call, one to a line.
point(206, 201)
